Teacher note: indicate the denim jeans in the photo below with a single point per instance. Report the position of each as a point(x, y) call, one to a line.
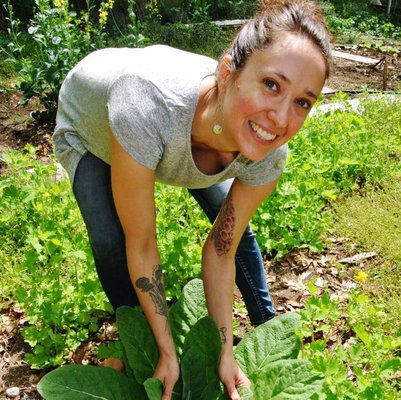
point(92, 190)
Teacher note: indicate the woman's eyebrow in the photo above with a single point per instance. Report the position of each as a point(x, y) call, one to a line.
point(309, 93)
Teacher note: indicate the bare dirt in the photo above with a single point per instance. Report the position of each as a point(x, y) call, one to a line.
point(287, 278)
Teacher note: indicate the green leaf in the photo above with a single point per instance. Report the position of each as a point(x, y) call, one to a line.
point(285, 380)
point(245, 393)
point(363, 335)
point(138, 341)
point(269, 342)
point(199, 361)
point(390, 366)
point(190, 307)
point(154, 388)
point(83, 382)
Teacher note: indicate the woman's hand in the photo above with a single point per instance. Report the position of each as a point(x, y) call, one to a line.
point(168, 372)
point(232, 376)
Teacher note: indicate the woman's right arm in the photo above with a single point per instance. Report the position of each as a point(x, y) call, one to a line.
point(133, 192)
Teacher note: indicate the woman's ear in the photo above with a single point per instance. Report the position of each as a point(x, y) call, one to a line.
point(225, 68)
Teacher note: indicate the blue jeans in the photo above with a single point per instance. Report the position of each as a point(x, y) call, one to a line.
point(92, 190)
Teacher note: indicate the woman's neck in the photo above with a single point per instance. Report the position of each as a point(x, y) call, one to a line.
point(207, 114)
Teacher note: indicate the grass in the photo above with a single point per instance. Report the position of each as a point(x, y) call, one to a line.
point(372, 222)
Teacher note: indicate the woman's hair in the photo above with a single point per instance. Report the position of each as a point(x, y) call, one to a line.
point(303, 17)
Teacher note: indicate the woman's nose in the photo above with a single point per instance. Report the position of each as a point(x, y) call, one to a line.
point(279, 114)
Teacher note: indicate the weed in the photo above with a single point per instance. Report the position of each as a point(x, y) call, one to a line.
point(343, 339)
point(46, 262)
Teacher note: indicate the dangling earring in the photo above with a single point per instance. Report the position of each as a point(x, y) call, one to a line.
point(217, 129)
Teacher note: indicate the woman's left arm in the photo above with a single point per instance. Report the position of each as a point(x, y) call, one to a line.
point(218, 270)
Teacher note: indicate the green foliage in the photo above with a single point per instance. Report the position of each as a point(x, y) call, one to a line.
point(334, 155)
point(179, 242)
point(59, 44)
point(83, 382)
point(59, 39)
point(195, 11)
point(204, 38)
point(355, 22)
point(268, 354)
point(345, 343)
point(368, 218)
point(46, 262)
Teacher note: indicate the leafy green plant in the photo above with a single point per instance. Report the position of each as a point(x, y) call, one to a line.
point(60, 42)
point(60, 39)
point(46, 262)
point(267, 355)
point(344, 341)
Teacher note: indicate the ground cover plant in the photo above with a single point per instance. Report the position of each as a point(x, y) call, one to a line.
point(343, 339)
point(268, 355)
point(47, 267)
point(356, 23)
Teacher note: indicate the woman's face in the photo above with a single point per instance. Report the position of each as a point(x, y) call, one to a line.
point(266, 103)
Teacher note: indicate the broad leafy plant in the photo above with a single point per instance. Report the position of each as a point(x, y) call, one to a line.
point(267, 354)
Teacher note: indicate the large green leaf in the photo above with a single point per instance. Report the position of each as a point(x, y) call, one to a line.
point(285, 380)
point(141, 351)
point(244, 392)
point(272, 341)
point(84, 382)
point(154, 388)
point(190, 307)
point(199, 361)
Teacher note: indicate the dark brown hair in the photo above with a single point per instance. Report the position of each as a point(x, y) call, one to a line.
point(303, 17)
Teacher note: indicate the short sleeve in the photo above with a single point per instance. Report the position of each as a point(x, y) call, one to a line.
point(266, 170)
point(138, 118)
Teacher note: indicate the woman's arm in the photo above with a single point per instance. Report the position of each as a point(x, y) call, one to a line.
point(218, 269)
point(133, 192)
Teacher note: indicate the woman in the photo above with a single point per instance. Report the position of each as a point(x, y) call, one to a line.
point(130, 117)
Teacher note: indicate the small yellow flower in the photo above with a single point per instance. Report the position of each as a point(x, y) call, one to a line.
point(361, 276)
point(60, 3)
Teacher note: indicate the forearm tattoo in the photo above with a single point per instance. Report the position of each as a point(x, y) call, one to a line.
point(223, 331)
point(155, 289)
point(223, 230)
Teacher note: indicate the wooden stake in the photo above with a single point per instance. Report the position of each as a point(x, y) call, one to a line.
point(385, 74)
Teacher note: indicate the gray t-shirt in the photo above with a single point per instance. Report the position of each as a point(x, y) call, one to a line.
point(147, 98)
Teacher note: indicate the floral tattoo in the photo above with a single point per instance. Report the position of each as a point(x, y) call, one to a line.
point(155, 289)
point(223, 231)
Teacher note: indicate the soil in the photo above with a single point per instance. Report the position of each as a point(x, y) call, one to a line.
point(287, 277)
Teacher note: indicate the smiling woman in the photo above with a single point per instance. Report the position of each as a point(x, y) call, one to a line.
point(270, 97)
point(130, 117)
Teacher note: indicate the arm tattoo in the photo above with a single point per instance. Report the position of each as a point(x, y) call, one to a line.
point(155, 289)
point(223, 230)
point(223, 331)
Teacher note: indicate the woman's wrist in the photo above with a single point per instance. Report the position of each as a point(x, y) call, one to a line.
point(167, 350)
point(227, 351)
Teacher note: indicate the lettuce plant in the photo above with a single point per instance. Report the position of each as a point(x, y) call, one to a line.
point(267, 354)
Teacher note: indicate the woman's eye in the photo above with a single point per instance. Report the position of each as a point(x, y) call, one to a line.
point(271, 84)
point(304, 104)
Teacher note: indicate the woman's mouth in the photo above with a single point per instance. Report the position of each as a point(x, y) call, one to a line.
point(261, 133)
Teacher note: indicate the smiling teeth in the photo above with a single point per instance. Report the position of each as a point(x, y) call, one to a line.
point(262, 133)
